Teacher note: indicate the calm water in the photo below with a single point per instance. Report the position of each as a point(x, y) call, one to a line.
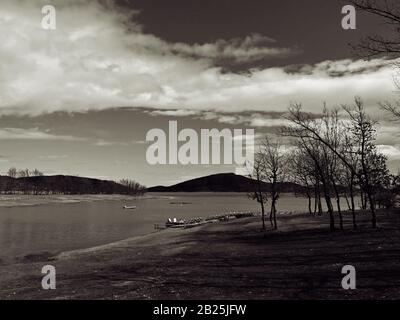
point(59, 227)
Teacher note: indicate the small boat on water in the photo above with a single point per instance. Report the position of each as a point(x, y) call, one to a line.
point(129, 207)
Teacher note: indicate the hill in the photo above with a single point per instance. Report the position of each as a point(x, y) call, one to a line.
point(222, 182)
point(60, 184)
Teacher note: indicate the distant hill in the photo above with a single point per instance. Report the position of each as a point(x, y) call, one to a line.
point(222, 182)
point(61, 184)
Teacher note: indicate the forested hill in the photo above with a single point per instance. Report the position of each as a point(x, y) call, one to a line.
point(61, 184)
point(223, 182)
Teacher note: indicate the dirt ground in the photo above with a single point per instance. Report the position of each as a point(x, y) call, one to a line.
point(226, 260)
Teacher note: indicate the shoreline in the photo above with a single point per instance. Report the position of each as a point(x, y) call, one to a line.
point(207, 220)
point(76, 252)
point(23, 200)
point(13, 201)
point(226, 260)
point(43, 252)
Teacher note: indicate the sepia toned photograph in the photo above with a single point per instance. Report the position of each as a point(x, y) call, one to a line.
point(213, 150)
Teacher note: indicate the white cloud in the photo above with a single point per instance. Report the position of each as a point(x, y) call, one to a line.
point(268, 122)
point(92, 62)
point(174, 113)
point(52, 157)
point(251, 120)
point(103, 143)
point(252, 48)
point(33, 134)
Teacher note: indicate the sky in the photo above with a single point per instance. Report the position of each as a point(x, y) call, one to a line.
point(80, 99)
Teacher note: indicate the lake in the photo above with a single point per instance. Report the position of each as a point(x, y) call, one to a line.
point(58, 227)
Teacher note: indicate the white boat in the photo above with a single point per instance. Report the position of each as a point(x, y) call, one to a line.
point(174, 222)
point(129, 207)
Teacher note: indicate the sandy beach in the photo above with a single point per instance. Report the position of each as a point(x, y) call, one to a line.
point(225, 260)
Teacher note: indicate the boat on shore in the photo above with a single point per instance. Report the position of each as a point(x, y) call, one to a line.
point(182, 223)
point(174, 223)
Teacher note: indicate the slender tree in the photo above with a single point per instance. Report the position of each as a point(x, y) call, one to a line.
point(274, 171)
point(364, 133)
point(258, 176)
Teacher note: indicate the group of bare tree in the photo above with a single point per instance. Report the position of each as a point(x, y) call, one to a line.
point(340, 159)
point(269, 167)
point(33, 182)
point(334, 157)
point(134, 186)
point(23, 173)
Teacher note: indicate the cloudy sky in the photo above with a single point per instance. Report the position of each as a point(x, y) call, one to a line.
point(80, 99)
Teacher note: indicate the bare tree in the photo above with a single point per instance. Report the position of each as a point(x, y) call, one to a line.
point(258, 176)
point(302, 171)
point(364, 133)
point(393, 109)
point(332, 131)
point(349, 150)
point(36, 173)
point(274, 165)
point(379, 46)
point(12, 172)
point(312, 138)
point(23, 173)
point(134, 187)
point(308, 129)
point(318, 153)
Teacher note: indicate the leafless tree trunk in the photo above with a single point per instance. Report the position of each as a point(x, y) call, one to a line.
point(363, 131)
point(274, 171)
point(259, 194)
